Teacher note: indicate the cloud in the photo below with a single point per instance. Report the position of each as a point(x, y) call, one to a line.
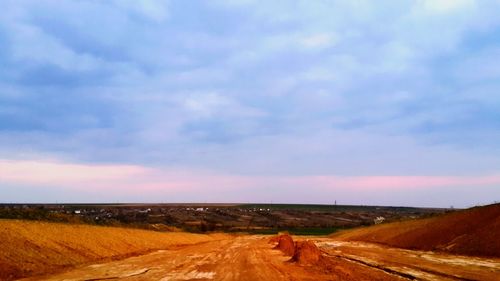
point(156, 10)
point(444, 6)
point(133, 180)
point(56, 173)
point(318, 41)
point(301, 88)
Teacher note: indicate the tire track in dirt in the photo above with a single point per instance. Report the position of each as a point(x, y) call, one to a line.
point(413, 265)
point(399, 272)
point(241, 258)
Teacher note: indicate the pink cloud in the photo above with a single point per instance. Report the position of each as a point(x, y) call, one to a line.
point(398, 182)
point(111, 176)
point(134, 178)
point(51, 172)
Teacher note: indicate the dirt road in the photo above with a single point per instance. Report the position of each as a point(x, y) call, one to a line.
point(413, 265)
point(253, 258)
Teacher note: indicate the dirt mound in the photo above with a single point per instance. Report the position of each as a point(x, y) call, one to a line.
point(274, 239)
point(306, 252)
point(30, 248)
point(472, 232)
point(285, 244)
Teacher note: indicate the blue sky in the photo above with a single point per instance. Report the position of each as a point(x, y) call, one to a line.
point(283, 101)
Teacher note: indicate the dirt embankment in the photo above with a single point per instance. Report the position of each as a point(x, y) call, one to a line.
point(31, 248)
point(285, 244)
point(473, 232)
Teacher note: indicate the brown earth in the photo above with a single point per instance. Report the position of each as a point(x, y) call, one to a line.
point(244, 257)
point(80, 252)
point(285, 244)
point(306, 252)
point(474, 232)
point(411, 264)
point(31, 248)
point(251, 257)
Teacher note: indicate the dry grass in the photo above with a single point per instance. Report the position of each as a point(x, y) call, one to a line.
point(31, 248)
point(472, 232)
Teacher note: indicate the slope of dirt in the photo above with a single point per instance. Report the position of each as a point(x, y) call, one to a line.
point(473, 232)
point(29, 248)
point(285, 244)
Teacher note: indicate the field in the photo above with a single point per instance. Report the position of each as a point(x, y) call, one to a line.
point(433, 248)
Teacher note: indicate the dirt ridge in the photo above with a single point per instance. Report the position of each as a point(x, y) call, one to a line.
point(32, 248)
point(472, 232)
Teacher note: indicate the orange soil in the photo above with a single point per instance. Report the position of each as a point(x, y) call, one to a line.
point(306, 252)
point(285, 244)
point(238, 258)
point(409, 264)
point(473, 232)
point(251, 257)
point(29, 248)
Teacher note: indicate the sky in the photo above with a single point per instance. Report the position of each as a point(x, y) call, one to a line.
point(359, 102)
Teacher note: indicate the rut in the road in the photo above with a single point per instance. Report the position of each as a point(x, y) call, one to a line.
point(405, 275)
point(137, 273)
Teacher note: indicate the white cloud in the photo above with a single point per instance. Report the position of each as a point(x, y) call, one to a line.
point(320, 74)
point(446, 6)
point(205, 104)
point(32, 44)
point(319, 41)
point(156, 10)
point(211, 104)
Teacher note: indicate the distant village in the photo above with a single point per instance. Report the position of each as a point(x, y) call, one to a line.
point(231, 218)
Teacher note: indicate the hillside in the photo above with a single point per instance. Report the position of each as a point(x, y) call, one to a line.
point(474, 232)
point(31, 248)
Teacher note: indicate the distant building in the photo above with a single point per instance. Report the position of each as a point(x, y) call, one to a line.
point(148, 210)
point(378, 220)
point(78, 212)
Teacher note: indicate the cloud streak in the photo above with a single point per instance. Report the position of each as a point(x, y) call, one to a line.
point(105, 179)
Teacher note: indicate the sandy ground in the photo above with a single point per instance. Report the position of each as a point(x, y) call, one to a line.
point(253, 258)
point(413, 265)
point(29, 248)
